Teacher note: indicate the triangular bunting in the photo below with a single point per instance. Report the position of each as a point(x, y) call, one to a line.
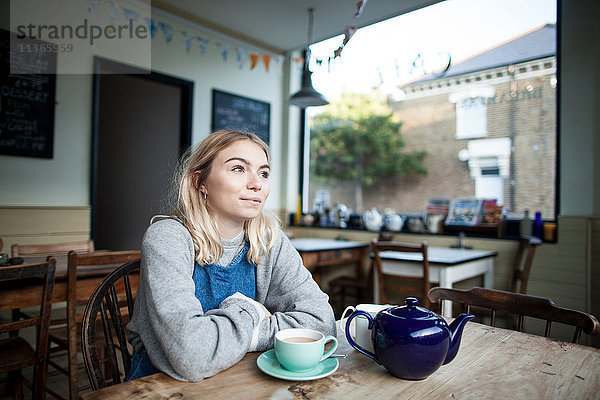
point(360, 7)
point(266, 60)
point(242, 54)
point(253, 60)
point(167, 30)
point(130, 15)
point(152, 25)
point(113, 12)
point(203, 44)
point(188, 41)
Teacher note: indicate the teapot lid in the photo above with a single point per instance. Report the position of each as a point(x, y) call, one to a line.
point(412, 311)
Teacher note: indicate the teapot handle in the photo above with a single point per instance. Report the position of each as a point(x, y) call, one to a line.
point(352, 342)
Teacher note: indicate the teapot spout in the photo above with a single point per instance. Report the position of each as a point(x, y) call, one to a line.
point(456, 329)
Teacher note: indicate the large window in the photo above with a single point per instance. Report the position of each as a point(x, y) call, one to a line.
point(475, 100)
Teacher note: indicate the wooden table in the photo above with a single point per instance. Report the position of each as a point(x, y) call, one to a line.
point(317, 253)
point(491, 363)
point(446, 267)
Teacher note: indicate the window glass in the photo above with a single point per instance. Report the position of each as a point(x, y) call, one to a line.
point(461, 105)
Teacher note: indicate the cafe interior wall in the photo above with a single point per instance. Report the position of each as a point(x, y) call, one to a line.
point(48, 200)
point(44, 201)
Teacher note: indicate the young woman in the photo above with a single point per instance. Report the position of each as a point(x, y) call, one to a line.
point(218, 277)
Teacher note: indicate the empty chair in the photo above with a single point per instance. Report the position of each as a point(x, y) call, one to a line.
point(418, 286)
point(15, 352)
point(105, 304)
point(67, 338)
point(358, 290)
point(521, 305)
point(521, 270)
point(345, 290)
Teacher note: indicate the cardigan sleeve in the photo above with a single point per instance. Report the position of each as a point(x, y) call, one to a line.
point(289, 292)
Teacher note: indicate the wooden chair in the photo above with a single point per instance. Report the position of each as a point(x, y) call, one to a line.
point(527, 245)
point(19, 250)
point(345, 290)
point(419, 286)
point(522, 305)
point(66, 338)
point(105, 304)
point(15, 352)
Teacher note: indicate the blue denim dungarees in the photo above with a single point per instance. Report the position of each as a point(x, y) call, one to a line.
point(214, 283)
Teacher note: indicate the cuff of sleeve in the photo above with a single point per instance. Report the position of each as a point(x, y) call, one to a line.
point(260, 311)
point(254, 341)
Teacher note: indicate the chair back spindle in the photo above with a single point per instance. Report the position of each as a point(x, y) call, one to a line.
point(521, 305)
point(106, 305)
point(522, 270)
point(15, 352)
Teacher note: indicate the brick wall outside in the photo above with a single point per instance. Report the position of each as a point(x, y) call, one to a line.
point(429, 123)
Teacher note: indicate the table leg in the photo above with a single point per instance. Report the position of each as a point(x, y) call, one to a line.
point(488, 276)
point(446, 282)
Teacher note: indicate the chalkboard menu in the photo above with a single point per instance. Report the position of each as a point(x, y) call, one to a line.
point(27, 93)
point(231, 111)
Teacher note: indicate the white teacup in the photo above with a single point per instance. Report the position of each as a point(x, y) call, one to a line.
point(362, 334)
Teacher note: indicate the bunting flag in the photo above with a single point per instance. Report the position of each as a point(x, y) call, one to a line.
point(279, 60)
point(266, 60)
point(224, 50)
point(167, 30)
point(203, 44)
point(92, 5)
point(348, 33)
point(152, 25)
point(130, 15)
point(253, 60)
point(113, 12)
point(242, 54)
point(360, 7)
point(299, 63)
point(188, 41)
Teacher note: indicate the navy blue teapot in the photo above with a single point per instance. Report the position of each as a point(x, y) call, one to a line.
point(411, 342)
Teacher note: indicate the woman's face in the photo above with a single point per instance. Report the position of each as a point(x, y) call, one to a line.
point(238, 186)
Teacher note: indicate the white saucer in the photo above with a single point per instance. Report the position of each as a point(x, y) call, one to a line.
point(267, 363)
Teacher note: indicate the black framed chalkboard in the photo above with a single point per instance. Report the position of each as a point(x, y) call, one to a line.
point(27, 96)
point(230, 111)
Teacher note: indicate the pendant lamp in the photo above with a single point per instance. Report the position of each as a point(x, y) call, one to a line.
point(307, 96)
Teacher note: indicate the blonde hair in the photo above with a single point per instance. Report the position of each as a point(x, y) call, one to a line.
point(192, 209)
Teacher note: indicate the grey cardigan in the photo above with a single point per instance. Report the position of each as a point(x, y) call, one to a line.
point(188, 344)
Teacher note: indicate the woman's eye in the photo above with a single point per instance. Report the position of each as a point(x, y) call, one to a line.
point(238, 168)
point(264, 174)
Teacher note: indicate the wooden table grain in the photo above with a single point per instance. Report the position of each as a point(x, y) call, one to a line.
point(492, 363)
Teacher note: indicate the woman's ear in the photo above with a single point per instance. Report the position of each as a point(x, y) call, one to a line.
point(196, 179)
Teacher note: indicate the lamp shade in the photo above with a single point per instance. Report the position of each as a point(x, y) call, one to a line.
point(307, 96)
